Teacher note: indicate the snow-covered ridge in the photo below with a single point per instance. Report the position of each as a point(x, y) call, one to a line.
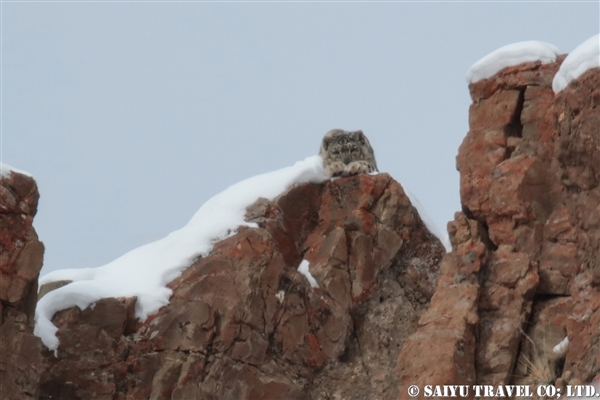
point(144, 272)
point(511, 55)
point(6, 169)
point(584, 57)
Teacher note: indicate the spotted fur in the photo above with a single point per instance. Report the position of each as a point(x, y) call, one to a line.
point(347, 153)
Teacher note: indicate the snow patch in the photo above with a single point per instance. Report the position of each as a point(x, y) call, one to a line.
point(511, 55)
point(280, 296)
point(585, 56)
point(6, 169)
point(144, 272)
point(561, 348)
point(303, 269)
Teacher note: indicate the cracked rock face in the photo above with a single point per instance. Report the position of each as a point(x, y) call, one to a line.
point(243, 323)
point(21, 256)
point(524, 270)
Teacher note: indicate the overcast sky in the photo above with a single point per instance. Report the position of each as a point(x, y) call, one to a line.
point(130, 115)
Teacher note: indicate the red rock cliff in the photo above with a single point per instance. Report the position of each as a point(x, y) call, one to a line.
point(243, 323)
point(524, 270)
point(20, 262)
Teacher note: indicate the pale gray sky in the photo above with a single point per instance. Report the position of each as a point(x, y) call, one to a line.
point(131, 114)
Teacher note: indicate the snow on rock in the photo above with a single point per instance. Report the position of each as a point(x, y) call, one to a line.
point(561, 348)
point(303, 269)
point(6, 169)
point(511, 55)
point(584, 57)
point(144, 272)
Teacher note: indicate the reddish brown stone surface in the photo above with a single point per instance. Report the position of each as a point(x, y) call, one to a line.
point(525, 262)
point(243, 323)
point(21, 256)
point(447, 331)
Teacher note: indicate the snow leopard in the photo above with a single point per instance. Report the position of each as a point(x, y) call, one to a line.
point(347, 153)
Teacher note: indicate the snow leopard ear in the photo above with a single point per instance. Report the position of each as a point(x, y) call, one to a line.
point(359, 136)
point(330, 137)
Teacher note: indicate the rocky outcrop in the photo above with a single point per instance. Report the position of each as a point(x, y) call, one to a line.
point(524, 269)
point(21, 256)
point(243, 323)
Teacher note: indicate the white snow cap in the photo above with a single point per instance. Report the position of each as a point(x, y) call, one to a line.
point(511, 55)
point(6, 169)
point(585, 56)
point(144, 272)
